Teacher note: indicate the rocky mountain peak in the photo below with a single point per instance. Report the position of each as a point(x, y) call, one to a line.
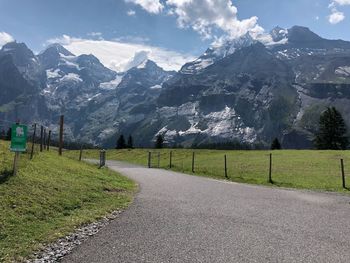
point(20, 53)
point(56, 49)
point(278, 34)
point(52, 56)
point(302, 34)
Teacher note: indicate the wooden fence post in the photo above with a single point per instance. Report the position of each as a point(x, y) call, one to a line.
point(270, 169)
point(149, 159)
point(226, 176)
point(44, 140)
point(61, 135)
point(342, 173)
point(49, 141)
point(33, 142)
point(170, 159)
point(158, 159)
point(41, 137)
point(81, 153)
point(193, 162)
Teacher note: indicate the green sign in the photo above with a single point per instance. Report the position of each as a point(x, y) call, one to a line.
point(18, 138)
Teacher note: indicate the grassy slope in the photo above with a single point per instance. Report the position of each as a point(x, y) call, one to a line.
point(49, 197)
point(318, 170)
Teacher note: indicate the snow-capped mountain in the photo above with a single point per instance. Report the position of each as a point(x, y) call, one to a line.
point(251, 89)
point(217, 52)
point(273, 86)
point(79, 87)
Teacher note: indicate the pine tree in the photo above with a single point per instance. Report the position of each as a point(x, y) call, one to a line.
point(276, 145)
point(8, 134)
point(130, 143)
point(121, 142)
point(332, 131)
point(159, 142)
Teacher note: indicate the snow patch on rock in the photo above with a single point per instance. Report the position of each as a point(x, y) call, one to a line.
point(343, 71)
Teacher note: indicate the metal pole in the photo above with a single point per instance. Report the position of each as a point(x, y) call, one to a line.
point(342, 172)
point(33, 141)
point(15, 163)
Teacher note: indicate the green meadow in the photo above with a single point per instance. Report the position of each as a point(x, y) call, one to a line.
point(306, 169)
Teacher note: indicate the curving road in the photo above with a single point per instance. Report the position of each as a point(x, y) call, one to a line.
point(181, 218)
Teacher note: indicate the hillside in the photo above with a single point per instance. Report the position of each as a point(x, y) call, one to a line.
point(50, 197)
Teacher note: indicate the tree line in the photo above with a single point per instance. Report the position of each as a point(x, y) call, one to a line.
point(332, 134)
point(129, 144)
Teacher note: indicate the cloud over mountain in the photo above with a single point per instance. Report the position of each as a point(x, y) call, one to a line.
point(209, 15)
point(117, 55)
point(209, 18)
point(5, 38)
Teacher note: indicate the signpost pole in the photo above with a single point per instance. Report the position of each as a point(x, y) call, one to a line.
point(15, 164)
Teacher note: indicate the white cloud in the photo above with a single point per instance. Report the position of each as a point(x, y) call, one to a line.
point(151, 6)
point(336, 17)
point(119, 55)
point(5, 38)
point(138, 58)
point(206, 16)
point(342, 2)
point(131, 13)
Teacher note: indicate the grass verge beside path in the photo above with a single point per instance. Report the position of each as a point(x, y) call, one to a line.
point(305, 169)
point(49, 197)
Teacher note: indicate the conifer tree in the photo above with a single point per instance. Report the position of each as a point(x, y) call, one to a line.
point(130, 143)
point(9, 134)
point(121, 142)
point(332, 132)
point(159, 142)
point(276, 145)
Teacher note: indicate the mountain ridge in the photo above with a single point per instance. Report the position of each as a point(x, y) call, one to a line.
point(248, 89)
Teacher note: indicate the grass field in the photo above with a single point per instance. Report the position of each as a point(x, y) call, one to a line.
point(49, 197)
point(317, 170)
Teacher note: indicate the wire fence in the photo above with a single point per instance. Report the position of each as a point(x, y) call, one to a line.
point(39, 139)
point(301, 169)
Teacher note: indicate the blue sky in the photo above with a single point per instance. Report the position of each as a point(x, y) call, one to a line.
point(162, 25)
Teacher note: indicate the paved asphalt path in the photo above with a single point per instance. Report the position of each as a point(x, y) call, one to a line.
point(181, 218)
